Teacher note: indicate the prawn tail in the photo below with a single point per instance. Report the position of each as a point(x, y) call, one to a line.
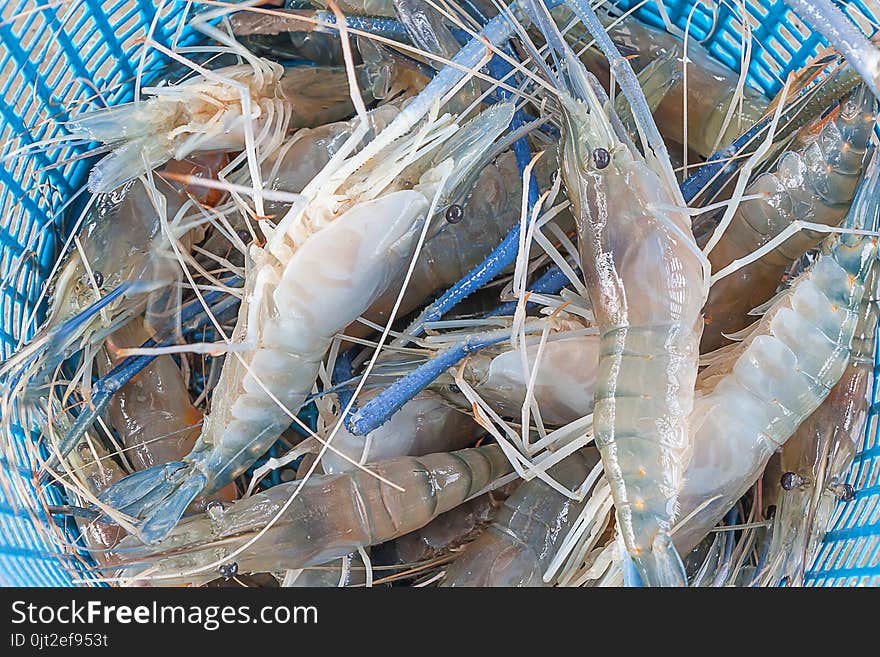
point(156, 497)
point(662, 566)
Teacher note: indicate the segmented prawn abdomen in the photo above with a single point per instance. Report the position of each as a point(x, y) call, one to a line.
point(815, 181)
point(330, 517)
point(326, 284)
point(517, 547)
point(772, 381)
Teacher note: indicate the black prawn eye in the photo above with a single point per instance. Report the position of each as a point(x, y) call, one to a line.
point(99, 278)
point(454, 214)
point(229, 570)
point(601, 158)
point(790, 480)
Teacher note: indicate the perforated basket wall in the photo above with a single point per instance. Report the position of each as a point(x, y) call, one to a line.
point(59, 58)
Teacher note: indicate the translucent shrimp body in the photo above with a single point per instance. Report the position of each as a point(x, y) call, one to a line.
point(517, 547)
point(323, 264)
point(216, 111)
point(332, 516)
point(564, 378)
point(425, 425)
point(355, 257)
point(756, 393)
point(815, 181)
point(152, 413)
point(646, 284)
point(820, 453)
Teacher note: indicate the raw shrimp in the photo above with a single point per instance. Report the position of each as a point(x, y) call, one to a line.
point(152, 413)
point(647, 285)
point(331, 516)
point(425, 425)
point(301, 35)
point(564, 385)
point(116, 270)
point(711, 87)
point(322, 265)
point(754, 394)
point(815, 179)
point(820, 453)
point(492, 209)
point(517, 547)
point(215, 111)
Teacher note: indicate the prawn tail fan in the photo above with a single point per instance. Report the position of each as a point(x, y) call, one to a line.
point(662, 565)
point(156, 497)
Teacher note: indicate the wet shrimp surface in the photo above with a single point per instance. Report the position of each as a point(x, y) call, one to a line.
point(360, 309)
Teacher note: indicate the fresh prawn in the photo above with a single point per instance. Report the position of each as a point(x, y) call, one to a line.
point(647, 284)
point(331, 516)
point(816, 458)
point(816, 178)
point(755, 393)
point(351, 232)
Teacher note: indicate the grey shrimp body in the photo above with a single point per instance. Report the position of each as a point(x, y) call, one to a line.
point(756, 393)
point(647, 284)
point(820, 453)
point(517, 547)
point(332, 516)
point(323, 264)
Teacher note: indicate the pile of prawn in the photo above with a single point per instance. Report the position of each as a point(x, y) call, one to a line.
point(427, 293)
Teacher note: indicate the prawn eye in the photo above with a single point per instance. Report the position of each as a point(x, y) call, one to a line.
point(601, 158)
point(790, 480)
point(99, 278)
point(454, 214)
point(229, 570)
point(844, 492)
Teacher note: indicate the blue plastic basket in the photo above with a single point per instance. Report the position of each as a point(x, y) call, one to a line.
point(57, 59)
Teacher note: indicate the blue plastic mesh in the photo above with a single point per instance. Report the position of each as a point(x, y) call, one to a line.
point(57, 59)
